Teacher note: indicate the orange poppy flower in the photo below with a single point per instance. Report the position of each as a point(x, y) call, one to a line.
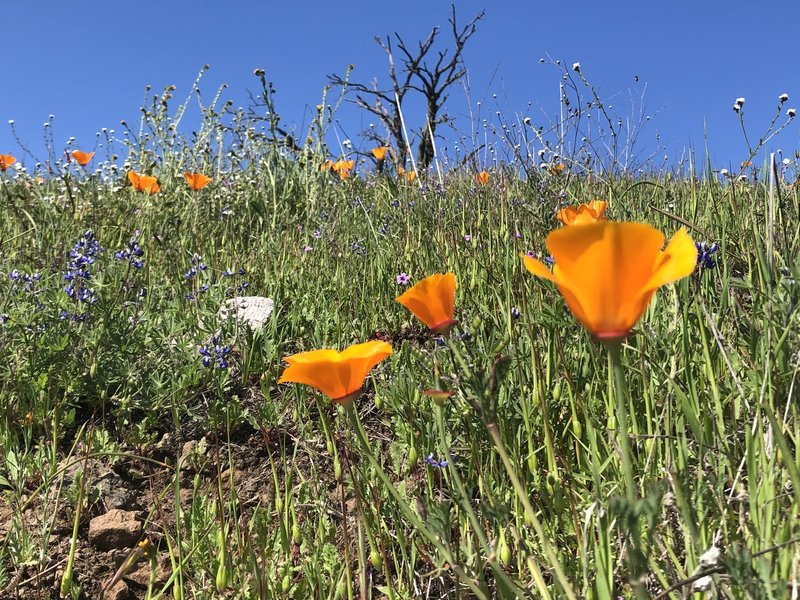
point(343, 168)
point(609, 271)
point(556, 168)
point(82, 158)
point(144, 183)
point(432, 301)
point(411, 176)
point(379, 153)
point(6, 160)
point(338, 375)
point(482, 177)
point(197, 181)
point(583, 214)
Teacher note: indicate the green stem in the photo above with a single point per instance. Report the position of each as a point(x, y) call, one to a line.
point(407, 512)
point(465, 503)
point(631, 492)
point(523, 498)
point(620, 401)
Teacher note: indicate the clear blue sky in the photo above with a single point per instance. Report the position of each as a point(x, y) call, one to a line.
point(88, 62)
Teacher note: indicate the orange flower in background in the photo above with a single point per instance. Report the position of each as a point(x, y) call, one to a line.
point(432, 301)
point(144, 183)
point(196, 181)
point(411, 176)
point(82, 158)
point(338, 375)
point(556, 168)
point(343, 168)
point(380, 152)
point(608, 271)
point(482, 177)
point(583, 214)
point(6, 160)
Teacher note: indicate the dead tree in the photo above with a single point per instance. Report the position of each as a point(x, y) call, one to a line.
point(430, 80)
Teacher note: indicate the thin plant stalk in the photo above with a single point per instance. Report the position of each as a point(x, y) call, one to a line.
point(466, 505)
point(494, 433)
point(621, 410)
point(413, 519)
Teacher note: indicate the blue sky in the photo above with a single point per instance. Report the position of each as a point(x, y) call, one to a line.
point(88, 63)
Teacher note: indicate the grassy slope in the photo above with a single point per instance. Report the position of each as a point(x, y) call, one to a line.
point(710, 372)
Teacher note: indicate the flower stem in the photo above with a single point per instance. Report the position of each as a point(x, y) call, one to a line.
point(409, 514)
point(537, 525)
point(452, 472)
point(621, 404)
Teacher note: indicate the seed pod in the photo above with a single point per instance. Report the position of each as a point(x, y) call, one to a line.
point(296, 533)
point(222, 577)
point(503, 550)
point(375, 559)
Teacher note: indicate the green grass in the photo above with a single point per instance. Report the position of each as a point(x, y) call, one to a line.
point(281, 499)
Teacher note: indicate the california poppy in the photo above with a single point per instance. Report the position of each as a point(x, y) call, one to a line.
point(432, 301)
point(338, 375)
point(556, 168)
point(82, 158)
point(410, 176)
point(482, 177)
point(379, 153)
point(197, 181)
point(6, 160)
point(343, 168)
point(144, 183)
point(583, 214)
point(609, 271)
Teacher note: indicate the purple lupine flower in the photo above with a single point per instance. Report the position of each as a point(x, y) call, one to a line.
point(436, 463)
point(705, 252)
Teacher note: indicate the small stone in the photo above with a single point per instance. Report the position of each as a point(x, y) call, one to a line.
point(253, 311)
point(115, 529)
point(115, 494)
point(119, 591)
point(141, 574)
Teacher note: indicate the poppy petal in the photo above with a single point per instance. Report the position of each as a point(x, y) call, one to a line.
point(605, 267)
point(335, 374)
point(537, 268)
point(677, 260)
point(432, 300)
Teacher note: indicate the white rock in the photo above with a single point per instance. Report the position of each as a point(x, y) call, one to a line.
point(253, 311)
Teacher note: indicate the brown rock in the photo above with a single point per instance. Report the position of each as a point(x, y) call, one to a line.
point(141, 574)
point(119, 591)
point(115, 529)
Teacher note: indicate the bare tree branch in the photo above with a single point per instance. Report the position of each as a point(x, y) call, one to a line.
point(415, 75)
